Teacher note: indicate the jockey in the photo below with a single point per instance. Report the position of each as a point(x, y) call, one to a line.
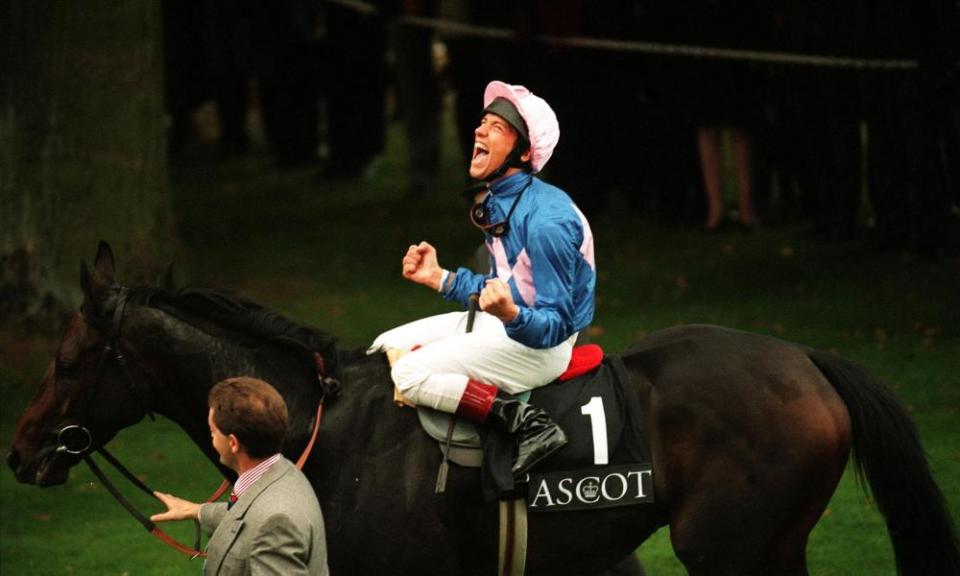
point(537, 297)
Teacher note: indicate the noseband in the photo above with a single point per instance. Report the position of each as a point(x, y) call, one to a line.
point(73, 439)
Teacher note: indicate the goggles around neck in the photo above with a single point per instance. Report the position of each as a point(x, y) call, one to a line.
point(480, 215)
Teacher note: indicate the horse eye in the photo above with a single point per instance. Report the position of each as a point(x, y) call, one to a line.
point(68, 368)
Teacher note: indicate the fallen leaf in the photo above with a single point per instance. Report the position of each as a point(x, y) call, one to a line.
point(881, 337)
point(681, 283)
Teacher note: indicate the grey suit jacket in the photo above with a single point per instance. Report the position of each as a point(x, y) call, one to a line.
point(275, 527)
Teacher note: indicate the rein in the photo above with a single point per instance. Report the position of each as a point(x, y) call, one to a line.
point(145, 521)
point(76, 440)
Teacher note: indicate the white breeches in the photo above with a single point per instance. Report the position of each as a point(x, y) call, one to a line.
point(436, 374)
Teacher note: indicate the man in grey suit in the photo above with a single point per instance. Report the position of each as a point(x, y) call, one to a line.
point(273, 523)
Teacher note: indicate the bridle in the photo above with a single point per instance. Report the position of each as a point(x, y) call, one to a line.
point(76, 439)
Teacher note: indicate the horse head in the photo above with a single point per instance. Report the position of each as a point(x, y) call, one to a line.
point(130, 352)
point(89, 392)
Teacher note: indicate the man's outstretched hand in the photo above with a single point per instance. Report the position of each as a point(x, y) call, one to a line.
point(177, 508)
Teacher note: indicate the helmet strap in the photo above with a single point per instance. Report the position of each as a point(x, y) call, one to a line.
point(512, 160)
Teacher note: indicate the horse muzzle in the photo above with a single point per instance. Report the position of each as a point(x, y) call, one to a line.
point(44, 469)
point(51, 464)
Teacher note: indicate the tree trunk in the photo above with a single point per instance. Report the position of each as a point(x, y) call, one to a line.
point(82, 150)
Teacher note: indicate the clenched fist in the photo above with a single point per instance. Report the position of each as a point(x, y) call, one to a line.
point(497, 300)
point(420, 265)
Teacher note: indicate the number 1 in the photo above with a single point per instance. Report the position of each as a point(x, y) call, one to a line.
point(598, 426)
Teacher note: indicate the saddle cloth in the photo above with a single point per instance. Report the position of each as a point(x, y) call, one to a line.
point(626, 437)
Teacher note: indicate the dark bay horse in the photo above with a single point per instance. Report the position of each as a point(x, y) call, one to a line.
point(749, 434)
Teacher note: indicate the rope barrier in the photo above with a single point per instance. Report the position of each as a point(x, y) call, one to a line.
point(461, 29)
point(733, 54)
point(453, 28)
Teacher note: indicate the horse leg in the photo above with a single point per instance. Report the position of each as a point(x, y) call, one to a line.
point(749, 510)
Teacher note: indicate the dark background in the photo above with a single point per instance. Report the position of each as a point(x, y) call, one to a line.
point(103, 100)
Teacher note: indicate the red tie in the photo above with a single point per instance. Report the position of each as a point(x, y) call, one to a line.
point(232, 501)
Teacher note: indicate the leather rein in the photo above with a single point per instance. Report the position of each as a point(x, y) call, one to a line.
point(76, 440)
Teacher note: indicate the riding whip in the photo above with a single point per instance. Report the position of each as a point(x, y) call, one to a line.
point(441, 486)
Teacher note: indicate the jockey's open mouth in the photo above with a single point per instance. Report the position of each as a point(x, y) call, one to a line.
point(480, 154)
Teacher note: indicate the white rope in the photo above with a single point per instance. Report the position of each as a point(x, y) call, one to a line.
point(732, 54)
point(461, 29)
point(452, 28)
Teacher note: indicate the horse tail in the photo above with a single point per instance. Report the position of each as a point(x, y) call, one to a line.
point(888, 454)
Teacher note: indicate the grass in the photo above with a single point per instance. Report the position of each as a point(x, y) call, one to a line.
point(327, 253)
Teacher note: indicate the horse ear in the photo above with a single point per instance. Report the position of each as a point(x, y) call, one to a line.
point(165, 280)
point(88, 284)
point(104, 263)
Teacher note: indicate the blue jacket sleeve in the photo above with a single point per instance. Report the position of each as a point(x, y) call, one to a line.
point(553, 248)
point(465, 283)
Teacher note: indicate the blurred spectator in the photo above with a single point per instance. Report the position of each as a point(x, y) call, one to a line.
point(187, 80)
point(473, 59)
point(664, 162)
point(418, 96)
point(634, 123)
point(357, 76)
point(907, 113)
point(711, 165)
point(596, 94)
point(823, 115)
point(214, 50)
point(778, 153)
point(229, 53)
point(288, 62)
point(724, 96)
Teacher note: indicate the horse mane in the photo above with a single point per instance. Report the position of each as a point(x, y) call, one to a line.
point(245, 317)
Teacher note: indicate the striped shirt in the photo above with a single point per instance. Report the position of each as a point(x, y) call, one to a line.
point(245, 480)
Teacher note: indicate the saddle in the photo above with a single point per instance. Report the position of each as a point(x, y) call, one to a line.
point(466, 445)
point(593, 403)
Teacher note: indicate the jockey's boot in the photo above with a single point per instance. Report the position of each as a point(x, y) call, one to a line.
point(537, 435)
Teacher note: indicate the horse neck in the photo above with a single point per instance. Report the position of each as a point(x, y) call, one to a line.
point(362, 422)
point(187, 359)
point(364, 385)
